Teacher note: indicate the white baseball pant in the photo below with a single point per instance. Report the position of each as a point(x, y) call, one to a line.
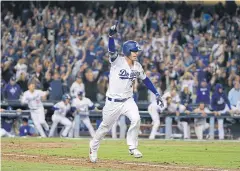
point(63, 120)
point(122, 125)
point(200, 128)
point(4, 133)
point(153, 111)
point(221, 122)
point(111, 112)
point(38, 117)
point(87, 123)
point(185, 128)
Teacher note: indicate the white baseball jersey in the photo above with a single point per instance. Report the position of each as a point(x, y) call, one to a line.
point(82, 105)
point(201, 120)
point(76, 88)
point(62, 108)
point(121, 78)
point(33, 100)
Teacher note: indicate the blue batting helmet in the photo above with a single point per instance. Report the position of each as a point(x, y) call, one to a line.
point(80, 93)
point(65, 97)
point(130, 46)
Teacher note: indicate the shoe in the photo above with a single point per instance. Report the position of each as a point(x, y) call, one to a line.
point(92, 155)
point(135, 152)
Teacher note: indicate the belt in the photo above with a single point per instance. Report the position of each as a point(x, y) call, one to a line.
point(117, 100)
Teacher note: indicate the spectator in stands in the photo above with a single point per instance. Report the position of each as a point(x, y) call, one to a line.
point(186, 98)
point(47, 80)
point(200, 124)
point(3, 84)
point(234, 94)
point(203, 92)
point(12, 90)
point(25, 129)
point(22, 81)
point(38, 73)
point(77, 87)
point(21, 67)
point(7, 69)
point(65, 72)
point(102, 87)
point(188, 80)
point(91, 83)
point(220, 104)
point(56, 88)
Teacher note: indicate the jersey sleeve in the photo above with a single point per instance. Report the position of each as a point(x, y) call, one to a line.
point(42, 93)
point(90, 103)
point(73, 104)
point(24, 98)
point(113, 58)
point(142, 74)
point(59, 107)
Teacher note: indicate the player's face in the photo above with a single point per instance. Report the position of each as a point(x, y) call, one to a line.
point(133, 56)
point(67, 101)
point(169, 100)
point(220, 90)
point(80, 97)
point(31, 87)
point(201, 106)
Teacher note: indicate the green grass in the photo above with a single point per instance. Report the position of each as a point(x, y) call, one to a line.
point(217, 154)
point(28, 166)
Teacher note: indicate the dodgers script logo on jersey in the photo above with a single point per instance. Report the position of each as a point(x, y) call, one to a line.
point(125, 75)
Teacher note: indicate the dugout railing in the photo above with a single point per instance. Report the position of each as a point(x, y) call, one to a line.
point(168, 120)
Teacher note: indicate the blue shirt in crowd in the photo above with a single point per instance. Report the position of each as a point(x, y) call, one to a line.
point(25, 130)
point(12, 92)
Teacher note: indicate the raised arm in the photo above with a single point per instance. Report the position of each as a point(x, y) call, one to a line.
point(111, 44)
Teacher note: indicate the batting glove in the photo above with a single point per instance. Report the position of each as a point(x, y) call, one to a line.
point(159, 100)
point(113, 29)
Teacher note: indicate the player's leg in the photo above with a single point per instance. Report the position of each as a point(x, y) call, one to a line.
point(41, 117)
point(4, 133)
point(220, 129)
point(34, 116)
point(55, 120)
point(89, 126)
point(183, 126)
point(155, 120)
point(114, 130)
point(221, 123)
point(111, 112)
point(130, 109)
point(199, 131)
point(71, 131)
point(67, 125)
point(122, 126)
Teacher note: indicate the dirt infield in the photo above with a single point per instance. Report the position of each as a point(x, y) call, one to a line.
point(84, 162)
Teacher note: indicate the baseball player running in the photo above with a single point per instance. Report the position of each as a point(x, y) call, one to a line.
point(82, 105)
point(34, 100)
point(60, 110)
point(124, 70)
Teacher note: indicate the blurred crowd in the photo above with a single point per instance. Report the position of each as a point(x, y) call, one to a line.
point(185, 48)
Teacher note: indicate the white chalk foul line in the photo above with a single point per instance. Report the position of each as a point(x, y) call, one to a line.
point(128, 163)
